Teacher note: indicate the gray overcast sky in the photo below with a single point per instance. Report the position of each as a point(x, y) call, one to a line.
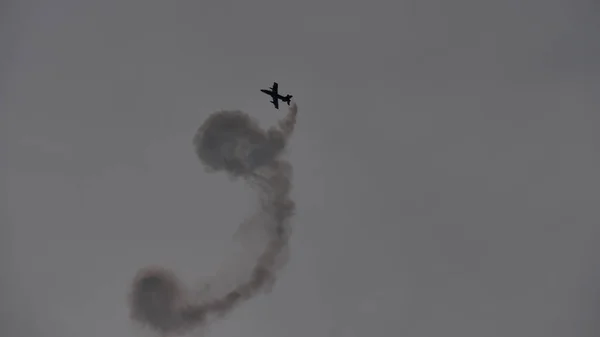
point(446, 163)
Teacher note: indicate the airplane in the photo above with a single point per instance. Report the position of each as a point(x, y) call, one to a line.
point(276, 96)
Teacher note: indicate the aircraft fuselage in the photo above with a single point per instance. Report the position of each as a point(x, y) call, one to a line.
point(272, 94)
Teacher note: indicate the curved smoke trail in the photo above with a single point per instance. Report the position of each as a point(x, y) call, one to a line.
point(229, 141)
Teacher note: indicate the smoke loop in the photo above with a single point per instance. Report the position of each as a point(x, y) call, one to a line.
point(229, 141)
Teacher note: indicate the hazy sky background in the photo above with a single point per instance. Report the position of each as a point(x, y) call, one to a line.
point(446, 162)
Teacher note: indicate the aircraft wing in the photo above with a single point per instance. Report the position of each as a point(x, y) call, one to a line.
point(275, 87)
point(275, 102)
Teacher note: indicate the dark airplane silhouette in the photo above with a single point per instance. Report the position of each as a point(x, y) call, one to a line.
point(276, 96)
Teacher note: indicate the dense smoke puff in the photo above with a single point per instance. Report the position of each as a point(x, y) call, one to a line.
point(233, 142)
point(157, 300)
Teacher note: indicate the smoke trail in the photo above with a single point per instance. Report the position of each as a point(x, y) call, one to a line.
point(229, 141)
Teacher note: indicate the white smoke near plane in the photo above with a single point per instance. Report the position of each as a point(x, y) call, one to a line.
point(232, 142)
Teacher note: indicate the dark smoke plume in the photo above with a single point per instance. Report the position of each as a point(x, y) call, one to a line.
point(229, 141)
